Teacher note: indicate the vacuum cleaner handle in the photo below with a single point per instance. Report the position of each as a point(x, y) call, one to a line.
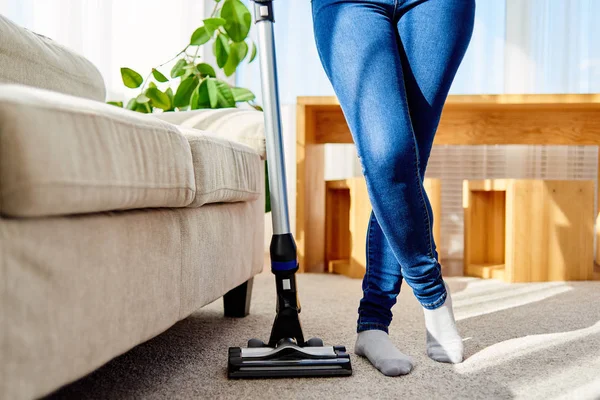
point(263, 12)
point(283, 247)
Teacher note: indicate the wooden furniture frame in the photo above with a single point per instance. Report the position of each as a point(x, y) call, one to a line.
point(467, 120)
point(529, 230)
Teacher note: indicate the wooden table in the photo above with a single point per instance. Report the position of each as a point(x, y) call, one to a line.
point(571, 119)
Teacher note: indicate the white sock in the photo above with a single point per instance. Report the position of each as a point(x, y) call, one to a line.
point(444, 343)
point(381, 352)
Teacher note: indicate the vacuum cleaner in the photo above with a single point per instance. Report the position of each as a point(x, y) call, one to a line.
point(286, 354)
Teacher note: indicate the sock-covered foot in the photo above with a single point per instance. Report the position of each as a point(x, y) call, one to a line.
point(379, 349)
point(444, 343)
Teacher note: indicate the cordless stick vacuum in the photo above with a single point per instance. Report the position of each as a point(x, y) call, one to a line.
point(286, 354)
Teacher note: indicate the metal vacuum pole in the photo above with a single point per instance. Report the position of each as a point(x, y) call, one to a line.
point(284, 263)
point(270, 96)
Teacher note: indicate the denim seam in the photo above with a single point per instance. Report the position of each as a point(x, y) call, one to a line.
point(369, 261)
point(437, 302)
point(370, 239)
point(394, 11)
point(426, 219)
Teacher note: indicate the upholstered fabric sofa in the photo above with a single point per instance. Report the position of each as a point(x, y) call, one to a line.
point(114, 225)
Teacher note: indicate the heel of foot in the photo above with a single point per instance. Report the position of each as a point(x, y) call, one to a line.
point(440, 355)
point(358, 350)
point(449, 352)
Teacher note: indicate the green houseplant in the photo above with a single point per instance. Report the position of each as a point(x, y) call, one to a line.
point(193, 84)
point(197, 82)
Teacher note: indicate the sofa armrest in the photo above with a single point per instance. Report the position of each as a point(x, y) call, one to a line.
point(238, 125)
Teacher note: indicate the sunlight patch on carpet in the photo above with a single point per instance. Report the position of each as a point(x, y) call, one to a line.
point(501, 296)
point(508, 350)
point(573, 382)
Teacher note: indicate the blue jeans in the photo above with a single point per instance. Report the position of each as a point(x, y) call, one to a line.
point(391, 64)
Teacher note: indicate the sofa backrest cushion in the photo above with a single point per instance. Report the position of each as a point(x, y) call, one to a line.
point(225, 171)
point(62, 155)
point(234, 124)
point(30, 59)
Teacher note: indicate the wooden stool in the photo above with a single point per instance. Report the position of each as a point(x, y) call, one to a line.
point(529, 230)
point(347, 212)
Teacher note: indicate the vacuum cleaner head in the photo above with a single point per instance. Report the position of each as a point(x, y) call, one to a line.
point(288, 359)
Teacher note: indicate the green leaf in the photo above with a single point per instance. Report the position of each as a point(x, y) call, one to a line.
point(256, 106)
point(158, 75)
point(178, 68)
point(206, 70)
point(115, 103)
point(221, 49)
point(169, 92)
point(194, 99)
point(143, 108)
point(242, 94)
point(190, 69)
point(200, 36)
point(212, 92)
point(212, 24)
point(184, 91)
point(132, 104)
point(138, 107)
point(200, 96)
point(159, 99)
point(238, 19)
point(237, 53)
point(267, 190)
point(152, 84)
point(142, 98)
point(224, 95)
point(131, 79)
point(252, 53)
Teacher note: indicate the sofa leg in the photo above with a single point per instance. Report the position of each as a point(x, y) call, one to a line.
point(236, 302)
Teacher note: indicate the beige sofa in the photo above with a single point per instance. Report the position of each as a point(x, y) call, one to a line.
point(113, 225)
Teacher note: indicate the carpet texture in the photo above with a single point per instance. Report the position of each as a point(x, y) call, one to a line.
point(529, 341)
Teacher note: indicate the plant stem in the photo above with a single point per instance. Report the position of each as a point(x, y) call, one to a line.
point(177, 55)
point(145, 82)
point(214, 11)
point(166, 62)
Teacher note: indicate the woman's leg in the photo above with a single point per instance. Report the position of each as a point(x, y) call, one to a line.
point(357, 43)
point(427, 81)
point(360, 53)
point(431, 54)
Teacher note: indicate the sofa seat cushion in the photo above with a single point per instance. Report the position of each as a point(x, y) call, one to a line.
point(66, 155)
point(225, 171)
point(35, 60)
point(244, 126)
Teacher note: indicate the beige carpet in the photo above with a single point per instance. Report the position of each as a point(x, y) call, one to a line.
point(531, 341)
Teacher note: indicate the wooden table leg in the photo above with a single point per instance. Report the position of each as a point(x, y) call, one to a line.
point(598, 216)
point(310, 194)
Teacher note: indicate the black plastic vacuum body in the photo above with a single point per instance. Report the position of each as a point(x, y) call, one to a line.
point(287, 353)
